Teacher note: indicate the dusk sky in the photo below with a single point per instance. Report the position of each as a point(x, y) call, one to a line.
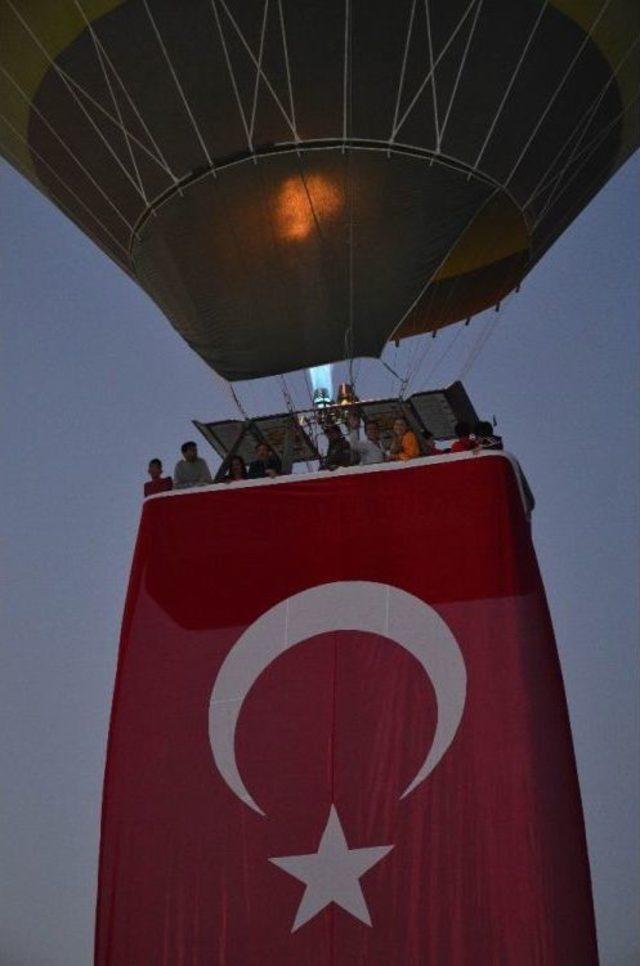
point(95, 382)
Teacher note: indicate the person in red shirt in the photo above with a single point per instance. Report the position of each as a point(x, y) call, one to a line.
point(463, 443)
point(158, 483)
point(429, 445)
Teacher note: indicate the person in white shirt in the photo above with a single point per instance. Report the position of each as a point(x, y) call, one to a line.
point(368, 450)
point(191, 470)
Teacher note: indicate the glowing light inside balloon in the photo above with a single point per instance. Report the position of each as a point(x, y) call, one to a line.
point(303, 204)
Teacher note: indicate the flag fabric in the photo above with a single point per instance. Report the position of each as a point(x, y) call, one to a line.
point(339, 733)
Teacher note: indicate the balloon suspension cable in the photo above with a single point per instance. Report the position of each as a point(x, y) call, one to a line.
point(414, 368)
point(307, 382)
point(404, 382)
point(391, 370)
point(238, 403)
point(286, 394)
point(346, 130)
point(423, 384)
point(291, 406)
point(485, 335)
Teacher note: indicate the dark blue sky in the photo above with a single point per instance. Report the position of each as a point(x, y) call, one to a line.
point(95, 382)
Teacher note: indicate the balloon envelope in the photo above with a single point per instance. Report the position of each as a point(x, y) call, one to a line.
point(296, 182)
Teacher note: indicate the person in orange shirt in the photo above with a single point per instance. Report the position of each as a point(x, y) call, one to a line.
point(405, 443)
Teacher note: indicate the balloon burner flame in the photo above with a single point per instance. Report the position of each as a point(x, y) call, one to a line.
point(321, 383)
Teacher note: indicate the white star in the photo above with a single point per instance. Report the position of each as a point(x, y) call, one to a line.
point(332, 873)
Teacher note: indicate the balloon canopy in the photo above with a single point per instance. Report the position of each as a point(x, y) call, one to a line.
point(296, 182)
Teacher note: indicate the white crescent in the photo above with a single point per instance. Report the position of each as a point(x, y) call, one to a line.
point(356, 605)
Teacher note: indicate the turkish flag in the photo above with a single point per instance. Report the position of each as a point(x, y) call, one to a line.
point(339, 733)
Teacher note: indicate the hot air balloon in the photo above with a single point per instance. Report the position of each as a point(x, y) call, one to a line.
point(295, 183)
point(338, 731)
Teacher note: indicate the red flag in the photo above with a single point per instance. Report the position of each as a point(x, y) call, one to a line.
point(339, 733)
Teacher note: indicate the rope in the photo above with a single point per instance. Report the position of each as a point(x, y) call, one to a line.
point(236, 399)
point(479, 344)
point(581, 127)
point(17, 163)
point(160, 159)
point(232, 76)
point(258, 67)
point(285, 48)
point(515, 73)
point(403, 70)
point(443, 355)
point(434, 93)
point(63, 183)
point(59, 73)
point(114, 99)
point(472, 31)
point(347, 122)
point(587, 40)
point(397, 124)
point(179, 88)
